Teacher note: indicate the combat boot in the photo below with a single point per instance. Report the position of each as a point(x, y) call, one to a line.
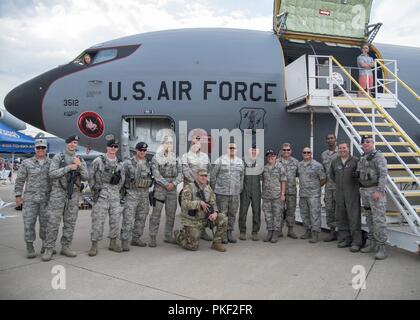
point(343, 244)
point(43, 249)
point(30, 250)
point(230, 237)
point(291, 234)
point(242, 236)
point(138, 242)
point(224, 238)
point(371, 247)
point(314, 238)
point(381, 254)
point(306, 235)
point(268, 236)
point(255, 236)
point(332, 236)
point(169, 239)
point(47, 255)
point(275, 237)
point(280, 233)
point(355, 248)
point(124, 245)
point(65, 251)
point(113, 245)
point(152, 242)
point(93, 249)
point(205, 236)
point(218, 246)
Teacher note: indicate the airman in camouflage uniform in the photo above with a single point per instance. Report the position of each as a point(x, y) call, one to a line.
point(227, 178)
point(167, 172)
point(372, 171)
point(60, 207)
point(138, 180)
point(33, 174)
point(329, 198)
point(290, 166)
point(107, 178)
point(192, 161)
point(273, 194)
point(311, 178)
point(251, 193)
point(196, 214)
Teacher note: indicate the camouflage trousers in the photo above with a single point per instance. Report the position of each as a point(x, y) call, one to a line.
point(61, 208)
point(136, 209)
point(169, 199)
point(288, 211)
point(229, 205)
point(189, 236)
point(329, 200)
point(375, 215)
point(272, 211)
point(107, 204)
point(310, 212)
point(246, 199)
point(31, 211)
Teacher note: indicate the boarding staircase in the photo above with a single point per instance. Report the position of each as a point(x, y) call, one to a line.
point(367, 115)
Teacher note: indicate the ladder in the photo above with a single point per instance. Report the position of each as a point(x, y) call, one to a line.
point(366, 115)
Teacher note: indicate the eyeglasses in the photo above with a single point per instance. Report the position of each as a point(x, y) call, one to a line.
point(143, 150)
point(197, 138)
point(41, 148)
point(306, 152)
point(114, 146)
point(286, 149)
point(232, 148)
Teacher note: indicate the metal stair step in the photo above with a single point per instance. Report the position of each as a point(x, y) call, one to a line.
point(367, 124)
point(351, 106)
point(393, 213)
point(417, 208)
point(383, 133)
point(401, 154)
point(403, 179)
point(411, 193)
point(364, 114)
point(400, 166)
point(393, 143)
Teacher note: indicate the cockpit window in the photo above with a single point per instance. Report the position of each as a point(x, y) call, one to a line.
point(105, 55)
point(101, 55)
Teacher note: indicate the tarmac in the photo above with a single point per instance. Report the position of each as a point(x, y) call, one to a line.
point(289, 269)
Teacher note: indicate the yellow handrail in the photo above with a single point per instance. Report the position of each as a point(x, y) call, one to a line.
point(399, 80)
point(379, 107)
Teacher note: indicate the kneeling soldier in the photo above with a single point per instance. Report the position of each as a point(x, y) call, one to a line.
point(198, 203)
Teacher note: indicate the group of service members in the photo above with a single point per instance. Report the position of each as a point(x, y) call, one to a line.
point(211, 196)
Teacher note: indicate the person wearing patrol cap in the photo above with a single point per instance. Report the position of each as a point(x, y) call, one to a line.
point(198, 209)
point(32, 190)
point(64, 199)
point(273, 195)
point(372, 172)
point(106, 181)
point(138, 180)
point(167, 171)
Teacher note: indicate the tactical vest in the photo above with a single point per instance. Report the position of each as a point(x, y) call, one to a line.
point(168, 169)
point(139, 177)
point(108, 170)
point(63, 180)
point(195, 197)
point(367, 171)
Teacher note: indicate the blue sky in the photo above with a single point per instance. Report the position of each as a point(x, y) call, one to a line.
point(37, 35)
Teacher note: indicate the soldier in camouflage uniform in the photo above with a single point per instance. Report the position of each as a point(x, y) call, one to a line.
point(251, 193)
point(227, 178)
point(329, 198)
point(107, 178)
point(311, 178)
point(372, 171)
point(167, 172)
point(196, 214)
point(138, 180)
point(62, 205)
point(192, 161)
point(290, 166)
point(273, 194)
point(33, 174)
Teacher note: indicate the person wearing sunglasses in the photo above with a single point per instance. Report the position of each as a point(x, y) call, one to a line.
point(107, 179)
point(311, 178)
point(227, 180)
point(191, 161)
point(32, 190)
point(290, 166)
point(138, 180)
point(62, 205)
point(167, 172)
point(372, 171)
point(329, 194)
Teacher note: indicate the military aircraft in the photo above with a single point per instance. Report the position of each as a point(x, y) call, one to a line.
point(284, 82)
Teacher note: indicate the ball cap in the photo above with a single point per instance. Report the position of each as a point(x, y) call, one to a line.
point(72, 138)
point(141, 145)
point(366, 136)
point(112, 142)
point(270, 152)
point(202, 172)
point(41, 143)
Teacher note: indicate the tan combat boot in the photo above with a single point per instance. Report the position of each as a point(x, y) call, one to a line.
point(275, 237)
point(138, 242)
point(152, 242)
point(255, 236)
point(124, 245)
point(291, 234)
point(218, 246)
point(381, 254)
point(47, 254)
point(30, 250)
point(371, 247)
point(242, 236)
point(314, 238)
point(65, 251)
point(113, 245)
point(93, 249)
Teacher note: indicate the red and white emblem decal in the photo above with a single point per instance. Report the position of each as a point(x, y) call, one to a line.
point(91, 124)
